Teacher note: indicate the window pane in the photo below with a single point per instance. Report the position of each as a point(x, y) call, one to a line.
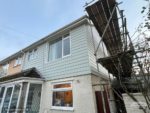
point(14, 100)
point(34, 53)
point(59, 49)
point(16, 62)
point(55, 50)
point(34, 97)
point(30, 55)
point(1, 94)
point(66, 46)
point(19, 61)
point(62, 85)
point(63, 99)
point(7, 100)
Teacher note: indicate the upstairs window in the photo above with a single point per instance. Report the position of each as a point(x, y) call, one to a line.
point(32, 54)
point(5, 68)
point(66, 45)
point(18, 61)
point(59, 48)
point(62, 96)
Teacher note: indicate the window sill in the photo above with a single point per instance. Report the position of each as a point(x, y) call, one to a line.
point(17, 65)
point(58, 59)
point(63, 108)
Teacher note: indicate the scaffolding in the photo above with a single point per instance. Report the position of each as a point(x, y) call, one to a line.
point(111, 25)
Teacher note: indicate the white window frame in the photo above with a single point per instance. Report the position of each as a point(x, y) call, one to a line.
point(32, 53)
point(27, 93)
point(5, 69)
point(64, 38)
point(62, 56)
point(59, 90)
point(4, 95)
point(18, 61)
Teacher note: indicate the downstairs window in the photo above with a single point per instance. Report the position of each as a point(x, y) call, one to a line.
point(62, 96)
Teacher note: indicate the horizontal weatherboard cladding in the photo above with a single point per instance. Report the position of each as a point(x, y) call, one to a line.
point(77, 63)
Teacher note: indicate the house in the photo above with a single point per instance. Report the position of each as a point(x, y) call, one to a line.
point(57, 74)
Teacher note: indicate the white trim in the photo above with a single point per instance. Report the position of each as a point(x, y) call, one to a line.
point(26, 98)
point(18, 62)
point(4, 95)
point(12, 84)
point(64, 38)
point(19, 97)
point(62, 82)
point(62, 89)
point(62, 108)
point(22, 79)
point(59, 90)
point(10, 99)
point(33, 54)
point(62, 49)
point(27, 94)
point(6, 88)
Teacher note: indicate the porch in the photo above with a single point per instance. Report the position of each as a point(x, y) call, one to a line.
point(21, 92)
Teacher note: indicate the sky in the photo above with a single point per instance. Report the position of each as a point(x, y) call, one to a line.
point(23, 22)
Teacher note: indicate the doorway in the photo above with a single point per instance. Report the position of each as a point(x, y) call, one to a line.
point(102, 102)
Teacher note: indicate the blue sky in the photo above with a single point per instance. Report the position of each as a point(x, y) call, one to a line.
point(23, 22)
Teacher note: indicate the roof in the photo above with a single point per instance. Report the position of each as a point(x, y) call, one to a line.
point(80, 21)
point(31, 73)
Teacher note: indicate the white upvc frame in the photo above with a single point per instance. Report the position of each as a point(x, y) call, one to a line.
point(34, 53)
point(20, 81)
point(4, 95)
point(18, 61)
point(64, 38)
point(19, 98)
point(27, 93)
point(3, 99)
point(62, 56)
point(26, 98)
point(59, 90)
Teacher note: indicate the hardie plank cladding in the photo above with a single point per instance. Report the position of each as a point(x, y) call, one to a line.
point(75, 64)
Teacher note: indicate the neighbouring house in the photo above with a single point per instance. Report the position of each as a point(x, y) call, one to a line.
point(57, 74)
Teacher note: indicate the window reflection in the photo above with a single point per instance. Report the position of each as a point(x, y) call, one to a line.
point(62, 95)
point(62, 98)
point(33, 101)
point(15, 98)
point(7, 100)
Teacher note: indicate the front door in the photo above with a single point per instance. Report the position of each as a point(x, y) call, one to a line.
point(102, 102)
point(99, 101)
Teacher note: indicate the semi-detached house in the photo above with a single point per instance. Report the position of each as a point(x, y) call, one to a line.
point(57, 74)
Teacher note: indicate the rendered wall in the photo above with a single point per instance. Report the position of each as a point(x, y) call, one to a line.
point(83, 99)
